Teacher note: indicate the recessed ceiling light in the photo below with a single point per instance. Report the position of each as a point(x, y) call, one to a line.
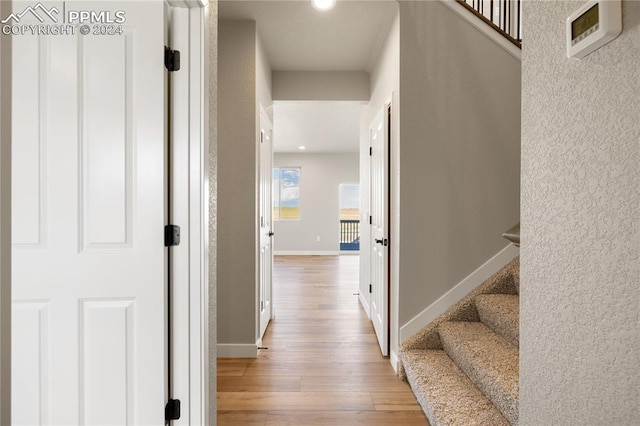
point(323, 4)
point(302, 147)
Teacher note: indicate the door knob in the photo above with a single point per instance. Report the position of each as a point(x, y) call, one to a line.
point(382, 242)
point(271, 234)
point(379, 241)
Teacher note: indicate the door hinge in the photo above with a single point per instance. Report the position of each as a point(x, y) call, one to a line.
point(370, 288)
point(172, 410)
point(370, 151)
point(171, 235)
point(171, 59)
point(262, 305)
point(370, 220)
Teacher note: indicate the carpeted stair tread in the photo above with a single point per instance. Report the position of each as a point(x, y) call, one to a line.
point(445, 393)
point(501, 313)
point(487, 359)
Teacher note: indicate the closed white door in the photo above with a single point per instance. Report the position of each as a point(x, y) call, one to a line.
point(89, 262)
point(266, 231)
point(379, 229)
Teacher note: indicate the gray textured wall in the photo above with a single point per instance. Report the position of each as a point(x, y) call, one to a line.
point(237, 183)
point(320, 177)
point(263, 84)
point(5, 222)
point(580, 292)
point(459, 151)
point(321, 86)
point(211, 109)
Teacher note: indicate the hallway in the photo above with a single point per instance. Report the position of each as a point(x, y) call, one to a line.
point(323, 365)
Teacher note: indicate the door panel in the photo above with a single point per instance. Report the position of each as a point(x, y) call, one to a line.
point(89, 263)
point(379, 230)
point(106, 143)
point(266, 212)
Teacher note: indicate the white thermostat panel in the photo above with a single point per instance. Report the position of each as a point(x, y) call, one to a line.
point(592, 26)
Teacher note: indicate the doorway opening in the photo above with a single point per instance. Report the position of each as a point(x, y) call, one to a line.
point(349, 218)
point(316, 199)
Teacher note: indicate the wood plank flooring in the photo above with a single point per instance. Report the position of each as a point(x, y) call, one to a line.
point(323, 365)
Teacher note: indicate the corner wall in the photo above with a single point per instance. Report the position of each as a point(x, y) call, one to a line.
point(580, 267)
point(244, 77)
point(459, 152)
point(237, 184)
point(320, 177)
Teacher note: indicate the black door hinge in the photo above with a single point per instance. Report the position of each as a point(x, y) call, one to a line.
point(370, 220)
point(171, 235)
point(370, 151)
point(370, 288)
point(171, 59)
point(172, 410)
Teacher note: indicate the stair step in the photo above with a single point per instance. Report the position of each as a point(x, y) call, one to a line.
point(487, 359)
point(445, 393)
point(501, 313)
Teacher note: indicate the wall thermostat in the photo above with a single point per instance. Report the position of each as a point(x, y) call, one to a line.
point(592, 26)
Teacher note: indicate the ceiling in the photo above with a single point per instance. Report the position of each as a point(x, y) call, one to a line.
point(323, 127)
point(298, 37)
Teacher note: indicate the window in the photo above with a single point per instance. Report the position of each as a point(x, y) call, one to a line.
point(286, 193)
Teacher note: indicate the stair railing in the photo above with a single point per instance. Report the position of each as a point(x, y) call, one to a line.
point(504, 16)
point(349, 234)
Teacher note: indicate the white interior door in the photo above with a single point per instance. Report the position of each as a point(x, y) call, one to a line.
point(266, 232)
point(380, 229)
point(89, 205)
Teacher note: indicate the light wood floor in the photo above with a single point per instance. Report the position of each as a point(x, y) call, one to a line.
point(323, 365)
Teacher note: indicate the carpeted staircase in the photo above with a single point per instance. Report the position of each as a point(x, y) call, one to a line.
point(463, 367)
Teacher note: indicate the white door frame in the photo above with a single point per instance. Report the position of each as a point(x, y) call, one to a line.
point(198, 195)
point(260, 331)
point(190, 270)
point(383, 330)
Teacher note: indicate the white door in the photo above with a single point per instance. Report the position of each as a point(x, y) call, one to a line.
point(266, 232)
point(380, 229)
point(89, 205)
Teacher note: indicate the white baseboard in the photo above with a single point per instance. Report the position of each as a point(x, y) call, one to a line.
point(237, 350)
point(365, 305)
point(457, 293)
point(393, 358)
point(305, 253)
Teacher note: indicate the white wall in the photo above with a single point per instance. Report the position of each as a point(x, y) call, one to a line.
point(5, 222)
point(580, 268)
point(320, 177)
point(459, 151)
point(385, 84)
